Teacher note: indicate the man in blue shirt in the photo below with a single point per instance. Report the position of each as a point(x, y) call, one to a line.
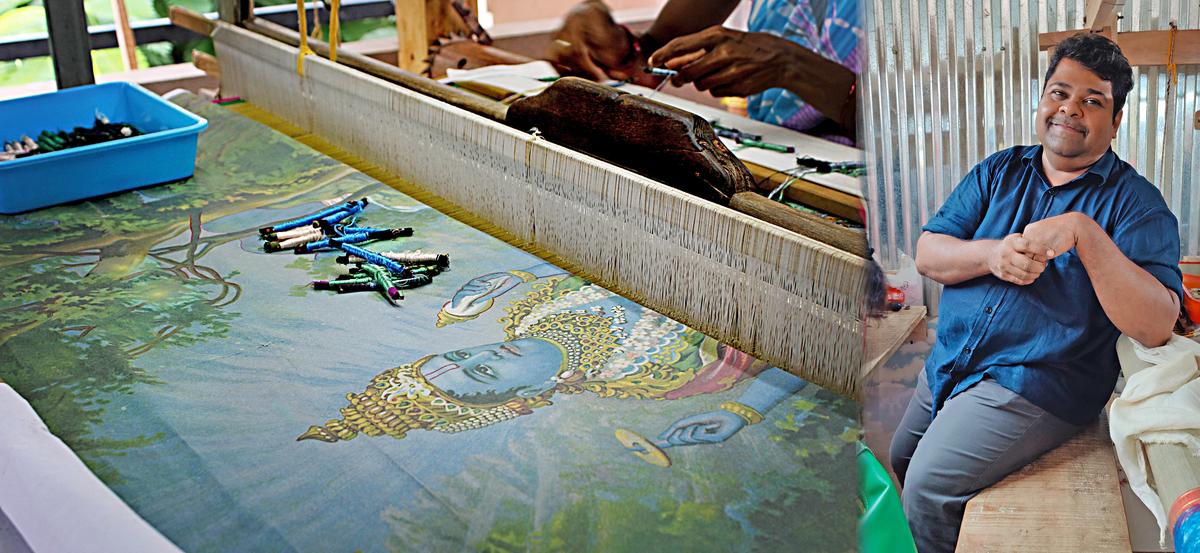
point(1047, 253)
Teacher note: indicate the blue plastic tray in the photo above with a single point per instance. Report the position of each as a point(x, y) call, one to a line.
point(167, 152)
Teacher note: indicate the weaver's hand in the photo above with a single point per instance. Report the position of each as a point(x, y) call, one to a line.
point(1016, 259)
point(705, 428)
point(1055, 236)
point(730, 63)
point(592, 45)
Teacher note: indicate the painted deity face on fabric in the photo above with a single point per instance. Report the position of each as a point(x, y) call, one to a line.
point(494, 373)
point(1075, 114)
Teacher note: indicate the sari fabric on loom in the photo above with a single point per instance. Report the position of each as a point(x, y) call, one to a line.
point(178, 360)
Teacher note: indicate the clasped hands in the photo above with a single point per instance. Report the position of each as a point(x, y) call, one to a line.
point(1020, 258)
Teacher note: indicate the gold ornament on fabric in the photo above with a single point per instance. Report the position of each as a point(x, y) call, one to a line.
point(523, 275)
point(399, 400)
point(746, 412)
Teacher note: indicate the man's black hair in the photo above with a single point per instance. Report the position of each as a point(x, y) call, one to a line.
point(1102, 57)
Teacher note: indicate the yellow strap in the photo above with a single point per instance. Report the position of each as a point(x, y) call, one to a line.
point(304, 49)
point(333, 31)
point(1171, 54)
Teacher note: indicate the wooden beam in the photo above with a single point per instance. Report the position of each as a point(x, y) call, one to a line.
point(464, 54)
point(1151, 47)
point(1047, 41)
point(809, 193)
point(429, 87)
point(70, 46)
point(192, 21)
point(125, 41)
point(412, 40)
point(1144, 48)
point(1102, 13)
point(197, 22)
point(812, 226)
point(207, 63)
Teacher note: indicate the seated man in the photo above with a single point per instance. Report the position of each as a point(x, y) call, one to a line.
point(1047, 254)
point(797, 65)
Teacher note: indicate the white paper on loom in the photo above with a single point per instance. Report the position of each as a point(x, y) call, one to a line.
point(519, 79)
point(53, 500)
point(806, 145)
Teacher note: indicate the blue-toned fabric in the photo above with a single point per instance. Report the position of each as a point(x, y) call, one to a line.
point(830, 28)
point(1049, 341)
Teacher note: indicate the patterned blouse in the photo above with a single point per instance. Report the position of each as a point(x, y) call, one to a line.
point(830, 28)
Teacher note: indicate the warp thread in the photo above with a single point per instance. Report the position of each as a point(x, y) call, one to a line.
point(658, 245)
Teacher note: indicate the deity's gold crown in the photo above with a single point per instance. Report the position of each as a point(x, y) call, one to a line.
point(400, 399)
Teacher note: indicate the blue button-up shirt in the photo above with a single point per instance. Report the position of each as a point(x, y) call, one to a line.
point(1049, 341)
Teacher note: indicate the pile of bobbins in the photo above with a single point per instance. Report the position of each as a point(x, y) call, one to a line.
point(53, 141)
point(370, 271)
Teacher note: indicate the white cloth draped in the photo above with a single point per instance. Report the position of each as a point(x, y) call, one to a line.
point(1160, 404)
point(53, 501)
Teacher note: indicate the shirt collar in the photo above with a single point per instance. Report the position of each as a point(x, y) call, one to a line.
point(1102, 168)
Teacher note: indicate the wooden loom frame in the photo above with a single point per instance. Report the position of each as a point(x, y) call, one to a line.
point(749, 283)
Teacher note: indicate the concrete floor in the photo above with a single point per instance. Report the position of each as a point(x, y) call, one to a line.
point(887, 392)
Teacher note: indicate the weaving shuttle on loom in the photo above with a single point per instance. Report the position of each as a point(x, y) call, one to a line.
point(792, 300)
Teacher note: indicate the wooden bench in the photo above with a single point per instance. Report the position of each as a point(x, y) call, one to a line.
point(1067, 500)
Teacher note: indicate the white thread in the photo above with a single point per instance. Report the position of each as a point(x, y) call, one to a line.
point(787, 299)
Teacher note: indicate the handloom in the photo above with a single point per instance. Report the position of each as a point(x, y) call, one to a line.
point(235, 409)
point(653, 139)
point(786, 298)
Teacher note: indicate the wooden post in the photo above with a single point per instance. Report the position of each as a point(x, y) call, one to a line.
point(412, 42)
point(437, 14)
point(70, 45)
point(235, 11)
point(1102, 13)
point(441, 18)
point(125, 40)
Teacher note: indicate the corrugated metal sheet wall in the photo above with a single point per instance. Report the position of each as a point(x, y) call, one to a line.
point(949, 82)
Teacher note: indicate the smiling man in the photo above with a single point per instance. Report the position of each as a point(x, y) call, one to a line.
point(1047, 253)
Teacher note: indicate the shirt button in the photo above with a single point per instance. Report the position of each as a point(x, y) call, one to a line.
point(988, 310)
point(966, 350)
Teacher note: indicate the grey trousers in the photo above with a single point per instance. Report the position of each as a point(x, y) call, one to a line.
point(978, 437)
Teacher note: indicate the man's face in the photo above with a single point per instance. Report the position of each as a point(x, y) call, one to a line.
point(1075, 114)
